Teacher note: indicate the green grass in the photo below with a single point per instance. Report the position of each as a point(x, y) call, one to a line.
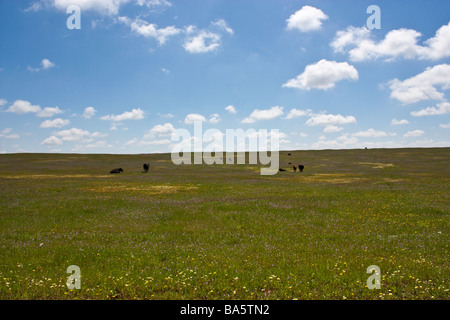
point(225, 231)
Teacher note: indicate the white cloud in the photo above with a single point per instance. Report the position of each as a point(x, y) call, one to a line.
point(23, 106)
point(165, 115)
point(135, 114)
point(162, 129)
point(352, 36)
point(11, 136)
point(52, 141)
point(444, 126)
point(399, 122)
point(231, 109)
point(6, 134)
point(3, 102)
point(153, 3)
point(442, 108)
point(214, 118)
point(192, 117)
point(266, 114)
point(33, 69)
point(72, 134)
point(414, 133)
point(294, 113)
point(331, 128)
point(422, 86)
point(150, 30)
point(49, 112)
point(131, 142)
point(341, 142)
point(323, 75)
point(397, 43)
point(329, 119)
point(107, 7)
point(47, 64)
point(372, 133)
point(156, 142)
point(306, 19)
point(204, 41)
point(89, 112)
point(439, 45)
point(56, 123)
point(222, 24)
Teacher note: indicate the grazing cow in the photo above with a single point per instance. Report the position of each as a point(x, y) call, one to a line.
point(118, 170)
point(146, 167)
point(289, 154)
point(282, 169)
point(295, 168)
point(290, 163)
point(301, 167)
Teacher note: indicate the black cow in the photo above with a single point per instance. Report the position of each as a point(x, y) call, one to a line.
point(295, 168)
point(301, 167)
point(118, 170)
point(146, 166)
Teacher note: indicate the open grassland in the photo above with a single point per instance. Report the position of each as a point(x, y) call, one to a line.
point(225, 231)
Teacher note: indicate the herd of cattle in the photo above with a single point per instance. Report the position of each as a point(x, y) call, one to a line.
point(146, 167)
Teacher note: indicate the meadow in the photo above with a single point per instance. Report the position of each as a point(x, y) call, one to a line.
point(225, 231)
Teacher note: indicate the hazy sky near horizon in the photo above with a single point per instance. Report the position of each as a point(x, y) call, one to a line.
point(137, 70)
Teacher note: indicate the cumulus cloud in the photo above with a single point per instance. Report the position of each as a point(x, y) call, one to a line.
point(3, 102)
point(89, 112)
point(23, 106)
point(162, 129)
point(294, 113)
point(372, 133)
point(341, 142)
point(422, 86)
point(266, 114)
point(56, 123)
point(441, 108)
point(49, 112)
point(400, 43)
point(193, 117)
point(414, 133)
point(150, 30)
point(306, 19)
point(231, 109)
point(222, 24)
point(214, 118)
point(332, 128)
point(47, 64)
point(329, 119)
point(52, 141)
point(323, 75)
point(396, 122)
point(6, 133)
point(202, 42)
point(195, 41)
point(135, 114)
point(72, 134)
point(153, 3)
point(107, 7)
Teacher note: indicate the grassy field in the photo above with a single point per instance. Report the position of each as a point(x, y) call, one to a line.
point(225, 231)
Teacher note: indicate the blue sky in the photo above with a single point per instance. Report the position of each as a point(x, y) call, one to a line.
point(139, 69)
